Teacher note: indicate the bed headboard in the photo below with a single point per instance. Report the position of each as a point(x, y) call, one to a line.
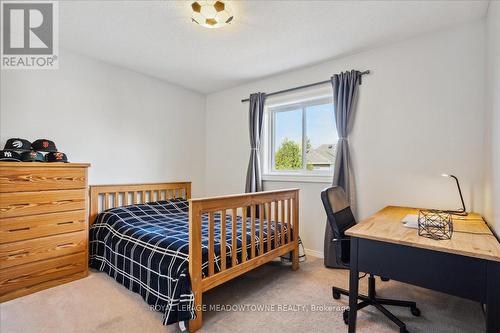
point(104, 197)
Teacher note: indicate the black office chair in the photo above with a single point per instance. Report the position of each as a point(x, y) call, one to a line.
point(340, 218)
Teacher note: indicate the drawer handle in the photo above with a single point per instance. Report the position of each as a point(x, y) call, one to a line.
point(66, 244)
point(20, 254)
point(19, 229)
point(63, 223)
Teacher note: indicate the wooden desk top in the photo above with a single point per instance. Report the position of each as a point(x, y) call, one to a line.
point(471, 236)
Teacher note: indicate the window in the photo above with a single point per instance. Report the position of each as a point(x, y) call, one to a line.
point(300, 140)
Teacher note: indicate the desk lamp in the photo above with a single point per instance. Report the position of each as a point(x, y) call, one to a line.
point(461, 212)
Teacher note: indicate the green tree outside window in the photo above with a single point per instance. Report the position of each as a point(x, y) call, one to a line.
point(288, 156)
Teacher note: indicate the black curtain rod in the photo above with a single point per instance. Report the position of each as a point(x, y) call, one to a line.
point(297, 88)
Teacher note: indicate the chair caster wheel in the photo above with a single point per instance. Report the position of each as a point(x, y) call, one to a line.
point(415, 311)
point(335, 293)
point(345, 315)
point(384, 279)
point(403, 330)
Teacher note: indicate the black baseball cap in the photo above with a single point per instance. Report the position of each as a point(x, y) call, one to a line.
point(17, 144)
point(44, 145)
point(32, 156)
point(9, 155)
point(56, 157)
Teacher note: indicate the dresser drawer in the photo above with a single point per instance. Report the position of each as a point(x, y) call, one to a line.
point(30, 203)
point(18, 253)
point(19, 280)
point(16, 229)
point(26, 178)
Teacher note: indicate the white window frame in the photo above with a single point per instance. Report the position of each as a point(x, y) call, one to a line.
point(268, 144)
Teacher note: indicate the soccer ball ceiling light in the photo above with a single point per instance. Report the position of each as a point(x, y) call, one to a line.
point(211, 14)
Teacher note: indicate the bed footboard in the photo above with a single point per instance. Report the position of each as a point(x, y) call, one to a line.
point(276, 210)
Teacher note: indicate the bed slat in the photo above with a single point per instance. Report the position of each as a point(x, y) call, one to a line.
point(106, 201)
point(223, 239)
point(210, 244)
point(261, 229)
point(234, 243)
point(268, 233)
point(275, 205)
point(289, 220)
point(282, 234)
point(244, 235)
point(252, 231)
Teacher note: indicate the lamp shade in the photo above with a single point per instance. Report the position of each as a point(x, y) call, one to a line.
point(211, 14)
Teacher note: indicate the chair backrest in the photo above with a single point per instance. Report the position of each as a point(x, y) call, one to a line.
point(340, 218)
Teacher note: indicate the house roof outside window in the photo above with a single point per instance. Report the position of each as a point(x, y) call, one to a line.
point(323, 155)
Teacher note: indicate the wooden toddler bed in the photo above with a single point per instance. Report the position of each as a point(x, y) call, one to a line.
point(259, 227)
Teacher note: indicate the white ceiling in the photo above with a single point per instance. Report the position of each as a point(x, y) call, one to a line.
point(267, 37)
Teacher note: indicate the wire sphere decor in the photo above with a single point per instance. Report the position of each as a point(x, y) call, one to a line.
point(435, 224)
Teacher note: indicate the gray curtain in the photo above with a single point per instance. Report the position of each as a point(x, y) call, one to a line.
point(256, 114)
point(345, 92)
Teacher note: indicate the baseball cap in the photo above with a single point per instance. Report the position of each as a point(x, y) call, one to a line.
point(32, 156)
point(9, 155)
point(17, 144)
point(44, 145)
point(56, 157)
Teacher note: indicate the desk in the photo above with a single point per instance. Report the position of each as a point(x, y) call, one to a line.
point(467, 265)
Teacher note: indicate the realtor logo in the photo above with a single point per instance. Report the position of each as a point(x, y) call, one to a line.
point(29, 35)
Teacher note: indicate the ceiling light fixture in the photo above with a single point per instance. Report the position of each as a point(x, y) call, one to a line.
point(211, 14)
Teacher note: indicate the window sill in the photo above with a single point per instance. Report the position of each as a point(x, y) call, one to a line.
point(298, 178)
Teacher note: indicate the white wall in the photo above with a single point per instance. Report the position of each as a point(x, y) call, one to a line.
point(492, 144)
point(420, 113)
point(131, 127)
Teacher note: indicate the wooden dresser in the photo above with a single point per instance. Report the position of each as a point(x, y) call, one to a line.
point(43, 226)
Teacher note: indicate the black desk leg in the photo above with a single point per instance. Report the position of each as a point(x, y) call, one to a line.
point(493, 297)
point(353, 285)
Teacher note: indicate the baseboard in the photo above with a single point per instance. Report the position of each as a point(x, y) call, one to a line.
point(314, 253)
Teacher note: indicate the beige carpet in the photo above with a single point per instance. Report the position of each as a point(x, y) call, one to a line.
point(99, 304)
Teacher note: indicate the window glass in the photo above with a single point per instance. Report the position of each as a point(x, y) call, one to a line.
point(301, 138)
point(288, 140)
point(321, 137)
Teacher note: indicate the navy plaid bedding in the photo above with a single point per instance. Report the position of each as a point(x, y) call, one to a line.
point(146, 249)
